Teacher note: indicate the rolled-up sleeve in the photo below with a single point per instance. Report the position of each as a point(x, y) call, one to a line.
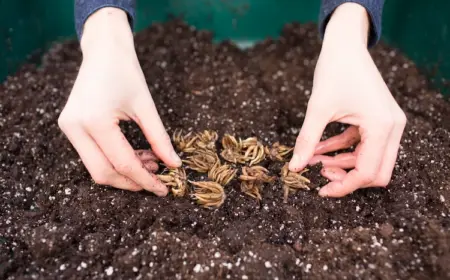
point(85, 8)
point(374, 9)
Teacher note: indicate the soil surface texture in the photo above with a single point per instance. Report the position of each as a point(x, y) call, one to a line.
point(56, 223)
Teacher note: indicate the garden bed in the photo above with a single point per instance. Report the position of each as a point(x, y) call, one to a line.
point(55, 222)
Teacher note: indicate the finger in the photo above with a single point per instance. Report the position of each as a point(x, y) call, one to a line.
point(368, 163)
point(145, 155)
point(146, 116)
point(123, 158)
point(342, 141)
point(98, 166)
point(391, 153)
point(333, 173)
point(151, 166)
point(308, 138)
point(345, 160)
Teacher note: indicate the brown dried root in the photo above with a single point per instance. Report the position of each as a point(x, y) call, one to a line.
point(202, 160)
point(254, 150)
point(232, 149)
point(293, 181)
point(242, 151)
point(189, 143)
point(278, 151)
point(252, 180)
point(184, 143)
point(222, 173)
point(208, 194)
point(176, 180)
point(207, 140)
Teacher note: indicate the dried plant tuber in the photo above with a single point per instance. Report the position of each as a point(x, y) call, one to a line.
point(278, 152)
point(256, 173)
point(208, 193)
point(202, 160)
point(293, 181)
point(176, 180)
point(242, 151)
point(232, 149)
point(253, 150)
point(184, 143)
point(222, 173)
point(190, 143)
point(252, 180)
point(229, 142)
point(207, 140)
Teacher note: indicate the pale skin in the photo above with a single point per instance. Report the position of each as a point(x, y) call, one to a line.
point(347, 88)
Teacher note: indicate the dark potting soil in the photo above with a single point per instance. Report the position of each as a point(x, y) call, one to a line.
point(56, 223)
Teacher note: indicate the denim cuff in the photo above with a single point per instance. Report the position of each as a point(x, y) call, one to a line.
point(85, 8)
point(374, 9)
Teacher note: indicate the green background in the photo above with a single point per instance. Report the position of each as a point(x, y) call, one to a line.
point(418, 28)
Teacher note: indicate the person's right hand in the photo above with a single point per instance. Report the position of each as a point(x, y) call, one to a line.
point(111, 87)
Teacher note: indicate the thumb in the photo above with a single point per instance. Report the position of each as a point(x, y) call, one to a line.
point(147, 117)
point(310, 134)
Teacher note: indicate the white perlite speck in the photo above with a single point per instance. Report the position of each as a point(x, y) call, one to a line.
point(308, 267)
point(109, 271)
point(217, 255)
point(62, 267)
point(154, 248)
point(83, 265)
point(267, 264)
point(197, 268)
point(441, 197)
point(67, 191)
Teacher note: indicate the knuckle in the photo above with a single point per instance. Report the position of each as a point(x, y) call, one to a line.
point(123, 168)
point(368, 177)
point(302, 140)
point(383, 182)
point(64, 121)
point(101, 178)
point(386, 122)
point(401, 118)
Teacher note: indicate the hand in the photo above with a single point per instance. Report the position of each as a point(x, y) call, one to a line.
point(349, 89)
point(111, 87)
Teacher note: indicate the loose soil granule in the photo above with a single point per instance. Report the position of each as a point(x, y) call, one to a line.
point(56, 223)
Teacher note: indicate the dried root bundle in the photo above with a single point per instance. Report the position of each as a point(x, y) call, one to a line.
point(184, 143)
point(293, 181)
point(254, 150)
point(202, 160)
point(207, 140)
point(201, 155)
point(176, 180)
point(190, 142)
point(253, 179)
point(222, 173)
point(278, 152)
point(208, 193)
point(242, 151)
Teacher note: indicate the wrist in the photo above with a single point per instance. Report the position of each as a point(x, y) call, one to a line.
point(349, 26)
point(107, 28)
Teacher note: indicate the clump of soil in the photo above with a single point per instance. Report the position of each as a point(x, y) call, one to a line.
point(54, 222)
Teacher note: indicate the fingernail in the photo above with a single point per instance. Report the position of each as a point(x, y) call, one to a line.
point(176, 158)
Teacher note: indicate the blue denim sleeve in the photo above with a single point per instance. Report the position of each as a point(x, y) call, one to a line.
point(374, 9)
point(85, 8)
